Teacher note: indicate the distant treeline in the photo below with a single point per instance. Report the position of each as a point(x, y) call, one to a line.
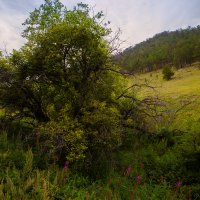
point(178, 48)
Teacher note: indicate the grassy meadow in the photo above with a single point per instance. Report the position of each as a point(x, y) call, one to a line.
point(186, 81)
point(181, 94)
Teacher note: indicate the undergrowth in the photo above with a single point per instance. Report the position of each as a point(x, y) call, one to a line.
point(145, 167)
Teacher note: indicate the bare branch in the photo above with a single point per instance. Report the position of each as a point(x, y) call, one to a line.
point(134, 86)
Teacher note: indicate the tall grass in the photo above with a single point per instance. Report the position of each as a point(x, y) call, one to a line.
point(145, 169)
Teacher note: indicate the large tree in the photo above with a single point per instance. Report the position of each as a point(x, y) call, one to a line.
point(64, 79)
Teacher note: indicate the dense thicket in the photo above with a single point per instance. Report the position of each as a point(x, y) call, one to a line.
point(179, 48)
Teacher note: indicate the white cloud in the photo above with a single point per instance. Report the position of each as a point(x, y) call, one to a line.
point(138, 19)
point(10, 32)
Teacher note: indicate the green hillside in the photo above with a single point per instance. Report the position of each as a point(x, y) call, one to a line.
point(178, 48)
point(182, 92)
point(186, 81)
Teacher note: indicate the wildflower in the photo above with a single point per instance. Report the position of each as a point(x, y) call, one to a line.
point(179, 184)
point(138, 179)
point(27, 78)
point(66, 165)
point(128, 171)
point(136, 186)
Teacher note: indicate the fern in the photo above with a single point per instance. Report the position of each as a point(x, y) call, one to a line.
point(28, 165)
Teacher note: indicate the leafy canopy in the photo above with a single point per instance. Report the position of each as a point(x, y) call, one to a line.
point(63, 79)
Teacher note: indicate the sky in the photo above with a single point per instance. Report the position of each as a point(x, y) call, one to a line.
point(137, 19)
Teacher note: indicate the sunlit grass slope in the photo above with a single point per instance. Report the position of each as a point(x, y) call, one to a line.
point(186, 81)
point(183, 87)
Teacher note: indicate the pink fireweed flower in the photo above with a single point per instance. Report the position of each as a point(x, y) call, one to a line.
point(66, 165)
point(128, 171)
point(138, 179)
point(179, 184)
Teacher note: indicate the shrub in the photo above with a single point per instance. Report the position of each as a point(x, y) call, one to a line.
point(167, 72)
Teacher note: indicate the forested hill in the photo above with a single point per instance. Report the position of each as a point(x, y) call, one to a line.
point(179, 48)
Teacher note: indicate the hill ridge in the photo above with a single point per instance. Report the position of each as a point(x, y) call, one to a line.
point(178, 48)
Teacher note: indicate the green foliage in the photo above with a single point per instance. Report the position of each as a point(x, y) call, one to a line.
point(167, 72)
point(62, 81)
point(28, 164)
point(65, 135)
point(48, 14)
point(147, 156)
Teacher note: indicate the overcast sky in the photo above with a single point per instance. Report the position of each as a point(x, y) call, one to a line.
point(138, 19)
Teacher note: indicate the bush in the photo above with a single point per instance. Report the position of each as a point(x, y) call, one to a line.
point(167, 72)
